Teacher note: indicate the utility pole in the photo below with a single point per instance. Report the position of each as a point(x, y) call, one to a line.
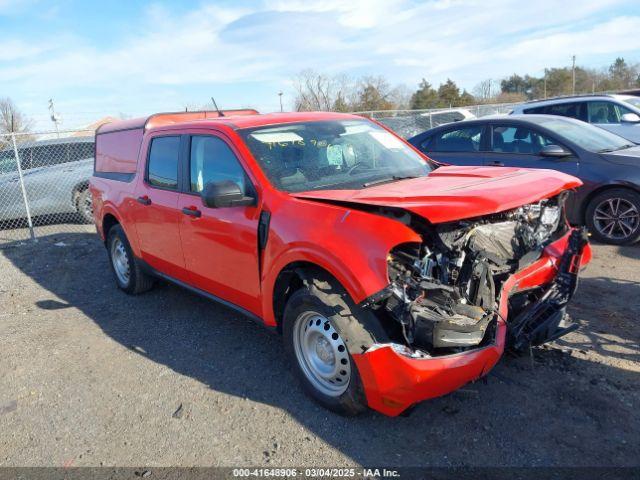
point(54, 118)
point(545, 83)
point(573, 75)
point(280, 97)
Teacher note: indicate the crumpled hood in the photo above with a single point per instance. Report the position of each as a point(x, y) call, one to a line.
point(455, 193)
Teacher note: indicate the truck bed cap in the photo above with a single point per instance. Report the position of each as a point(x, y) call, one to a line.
point(170, 118)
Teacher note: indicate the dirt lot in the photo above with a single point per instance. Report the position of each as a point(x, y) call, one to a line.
point(91, 376)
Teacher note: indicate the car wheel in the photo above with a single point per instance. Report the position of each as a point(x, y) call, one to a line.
point(613, 216)
point(129, 276)
point(320, 330)
point(84, 206)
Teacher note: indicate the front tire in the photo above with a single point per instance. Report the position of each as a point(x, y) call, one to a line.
point(84, 206)
point(129, 276)
point(320, 330)
point(613, 216)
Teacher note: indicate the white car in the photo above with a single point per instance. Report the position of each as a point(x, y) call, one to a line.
point(620, 114)
point(56, 179)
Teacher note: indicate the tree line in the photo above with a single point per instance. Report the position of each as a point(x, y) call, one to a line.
point(315, 91)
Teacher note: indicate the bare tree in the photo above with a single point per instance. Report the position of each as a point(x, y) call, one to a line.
point(12, 120)
point(486, 90)
point(315, 91)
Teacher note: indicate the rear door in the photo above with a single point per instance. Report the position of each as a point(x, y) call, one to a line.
point(460, 145)
point(513, 145)
point(220, 244)
point(155, 210)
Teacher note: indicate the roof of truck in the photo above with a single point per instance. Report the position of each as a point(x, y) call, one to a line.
point(233, 118)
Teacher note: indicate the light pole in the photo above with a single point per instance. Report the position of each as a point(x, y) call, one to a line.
point(573, 75)
point(280, 97)
point(54, 118)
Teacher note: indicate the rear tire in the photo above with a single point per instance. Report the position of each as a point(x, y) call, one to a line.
point(613, 216)
point(129, 276)
point(320, 330)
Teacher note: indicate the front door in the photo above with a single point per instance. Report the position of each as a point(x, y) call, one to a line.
point(155, 210)
point(220, 244)
point(518, 146)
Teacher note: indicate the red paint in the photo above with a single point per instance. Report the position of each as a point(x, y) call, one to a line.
point(118, 154)
point(218, 251)
point(454, 193)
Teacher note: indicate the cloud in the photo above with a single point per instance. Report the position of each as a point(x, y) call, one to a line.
point(269, 42)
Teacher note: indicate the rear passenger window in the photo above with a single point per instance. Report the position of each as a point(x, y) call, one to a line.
point(569, 109)
point(162, 171)
point(460, 140)
point(213, 161)
point(517, 140)
point(536, 110)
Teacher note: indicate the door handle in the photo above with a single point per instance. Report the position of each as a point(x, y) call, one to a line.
point(496, 163)
point(192, 211)
point(144, 200)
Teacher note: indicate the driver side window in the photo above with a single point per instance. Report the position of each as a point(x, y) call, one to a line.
point(211, 160)
point(606, 112)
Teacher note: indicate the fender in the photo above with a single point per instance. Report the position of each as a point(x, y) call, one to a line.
point(107, 206)
point(354, 247)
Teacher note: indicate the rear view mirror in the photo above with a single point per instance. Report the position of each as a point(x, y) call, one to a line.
point(630, 118)
point(554, 151)
point(225, 193)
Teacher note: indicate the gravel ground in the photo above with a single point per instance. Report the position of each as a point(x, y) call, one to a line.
point(91, 376)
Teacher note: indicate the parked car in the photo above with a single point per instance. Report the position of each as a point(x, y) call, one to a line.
point(56, 179)
point(390, 281)
point(608, 202)
point(619, 114)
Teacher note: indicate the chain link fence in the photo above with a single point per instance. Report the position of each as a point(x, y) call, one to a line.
point(44, 176)
point(408, 123)
point(44, 183)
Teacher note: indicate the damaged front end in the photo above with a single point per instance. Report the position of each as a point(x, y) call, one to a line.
point(445, 293)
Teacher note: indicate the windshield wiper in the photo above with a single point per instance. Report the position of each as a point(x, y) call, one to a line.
point(393, 178)
point(608, 150)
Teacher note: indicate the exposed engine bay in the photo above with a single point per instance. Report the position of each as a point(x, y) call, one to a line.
point(444, 292)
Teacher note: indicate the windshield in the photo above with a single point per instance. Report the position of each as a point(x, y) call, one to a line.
point(587, 136)
point(328, 155)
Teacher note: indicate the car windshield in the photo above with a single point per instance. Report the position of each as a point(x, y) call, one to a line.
point(587, 136)
point(328, 155)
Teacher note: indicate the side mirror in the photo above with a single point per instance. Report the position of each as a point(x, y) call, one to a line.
point(630, 118)
point(554, 151)
point(224, 193)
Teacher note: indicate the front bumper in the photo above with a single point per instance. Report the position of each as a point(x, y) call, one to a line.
point(393, 382)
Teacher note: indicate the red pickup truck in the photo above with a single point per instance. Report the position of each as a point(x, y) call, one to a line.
point(392, 281)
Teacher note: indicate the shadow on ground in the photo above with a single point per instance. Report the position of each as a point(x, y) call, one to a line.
point(553, 408)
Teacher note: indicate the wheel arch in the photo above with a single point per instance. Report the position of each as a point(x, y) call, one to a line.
point(291, 278)
point(108, 221)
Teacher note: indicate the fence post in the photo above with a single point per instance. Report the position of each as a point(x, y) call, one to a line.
point(22, 187)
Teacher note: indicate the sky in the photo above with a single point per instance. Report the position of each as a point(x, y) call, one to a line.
point(135, 58)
